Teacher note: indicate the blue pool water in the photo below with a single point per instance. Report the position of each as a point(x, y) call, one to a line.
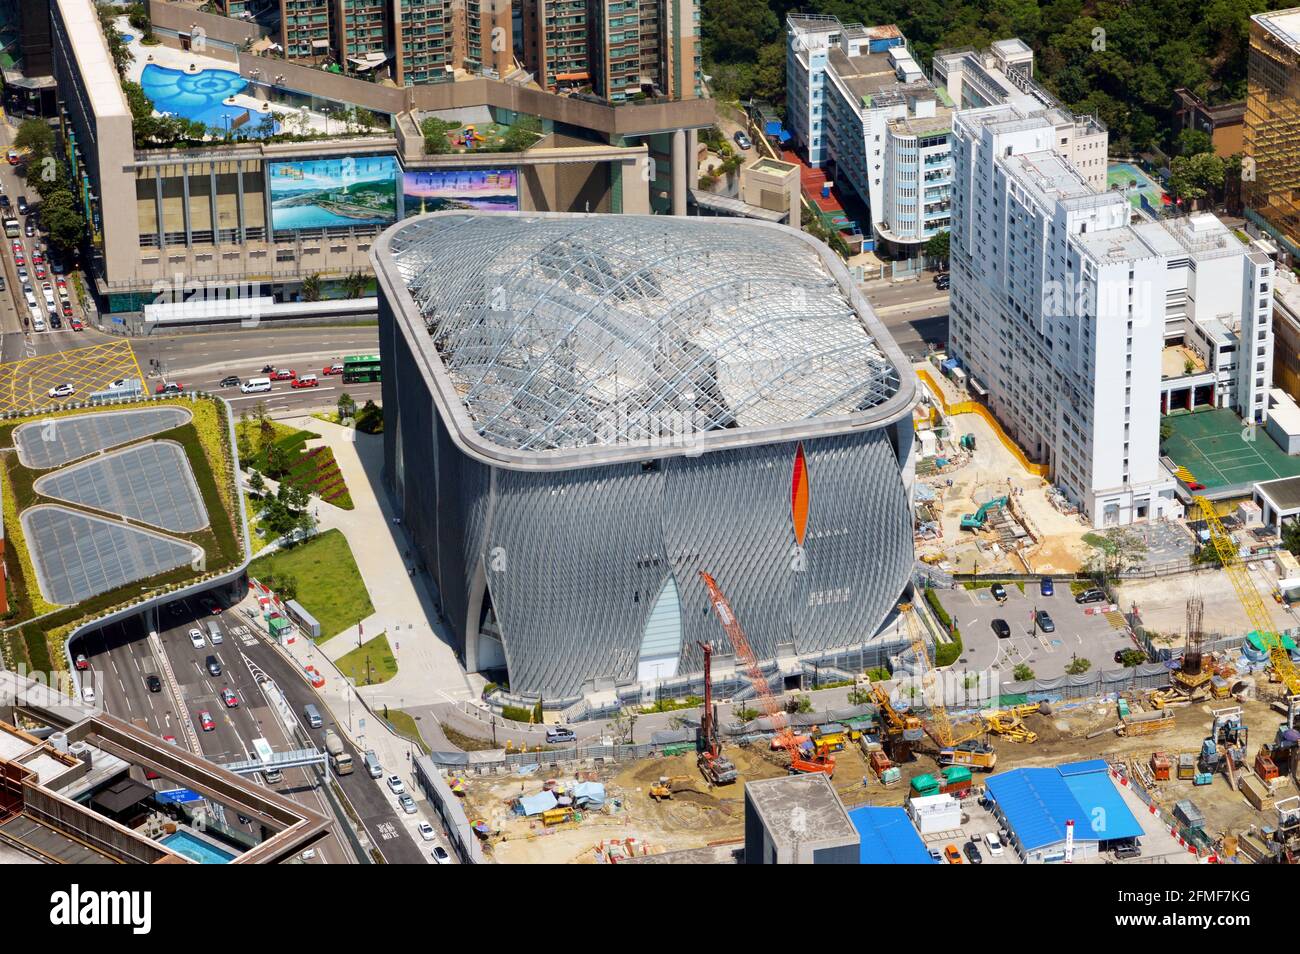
point(196, 849)
point(198, 96)
point(128, 37)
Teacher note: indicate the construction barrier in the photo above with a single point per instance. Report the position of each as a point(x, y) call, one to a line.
point(972, 407)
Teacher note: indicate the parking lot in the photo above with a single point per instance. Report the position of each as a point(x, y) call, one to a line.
point(980, 821)
point(1077, 632)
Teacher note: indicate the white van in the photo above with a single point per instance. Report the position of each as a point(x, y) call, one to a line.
point(38, 319)
point(254, 385)
point(214, 633)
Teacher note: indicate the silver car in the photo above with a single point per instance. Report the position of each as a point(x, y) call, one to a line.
point(407, 803)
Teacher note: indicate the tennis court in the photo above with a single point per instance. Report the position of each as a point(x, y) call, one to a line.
point(1122, 174)
point(1219, 451)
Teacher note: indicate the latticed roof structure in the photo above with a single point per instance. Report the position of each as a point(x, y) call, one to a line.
point(556, 332)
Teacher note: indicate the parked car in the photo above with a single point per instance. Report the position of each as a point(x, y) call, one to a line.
point(205, 721)
point(952, 854)
point(407, 803)
point(1093, 595)
point(439, 855)
point(999, 592)
point(1045, 586)
point(153, 683)
point(1001, 628)
point(230, 381)
point(394, 783)
point(973, 853)
point(425, 830)
point(1128, 851)
point(994, 842)
point(557, 734)
point(1044, 621)
point(742, 140)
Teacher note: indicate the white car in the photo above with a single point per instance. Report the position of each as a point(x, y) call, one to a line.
point(425, 830)
point(994, 842)
point(48, 291)
point(62, 391)
point(196, 639)
point(439, 855)
point(88, 693)
point(395, 785)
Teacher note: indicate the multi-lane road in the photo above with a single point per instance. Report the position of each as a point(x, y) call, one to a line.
point(123, 656)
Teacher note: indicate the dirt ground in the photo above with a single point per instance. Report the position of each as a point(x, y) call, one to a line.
point(699, 817)
point(1162, 602)
point(990, 471)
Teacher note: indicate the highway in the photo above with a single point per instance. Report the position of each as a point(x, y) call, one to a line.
point(123, 656)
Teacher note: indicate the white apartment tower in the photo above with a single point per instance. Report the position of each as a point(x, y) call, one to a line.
point(1004, 73)
point(1066, 317)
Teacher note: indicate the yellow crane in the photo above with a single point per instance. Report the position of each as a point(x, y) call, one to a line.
point(940, 728)
point(1249, 597)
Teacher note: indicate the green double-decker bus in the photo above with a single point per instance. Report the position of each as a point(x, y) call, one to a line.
point(360, 368)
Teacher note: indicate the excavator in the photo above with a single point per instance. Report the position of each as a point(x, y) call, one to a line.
point(1226, 550)
point(800, 762)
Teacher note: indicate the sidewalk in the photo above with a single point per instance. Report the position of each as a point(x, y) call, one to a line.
point(428, 670)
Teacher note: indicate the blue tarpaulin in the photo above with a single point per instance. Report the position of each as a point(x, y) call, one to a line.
point(888, 837)
point(589, 794)
point(536, 804)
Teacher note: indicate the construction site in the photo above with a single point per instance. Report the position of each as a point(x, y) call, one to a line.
point(1199, 765)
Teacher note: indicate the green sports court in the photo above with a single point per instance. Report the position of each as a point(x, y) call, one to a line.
point(1220, 452)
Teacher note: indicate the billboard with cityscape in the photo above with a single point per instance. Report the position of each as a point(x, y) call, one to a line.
point(326, 193)
point(440, 189)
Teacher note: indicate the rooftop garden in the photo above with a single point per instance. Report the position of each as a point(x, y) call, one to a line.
point(446, 137)
point(36, 628)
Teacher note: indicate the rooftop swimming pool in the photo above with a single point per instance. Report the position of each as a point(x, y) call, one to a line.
point(197, 849)
point(200, 96)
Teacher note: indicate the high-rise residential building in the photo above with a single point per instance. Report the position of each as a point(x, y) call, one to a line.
point(422, 40)
point(361, 35)
point(1004, 73)
point(859, 105)
point(644, 46)
point(305, 29)
point(1080, 328)
point(1272, 132)
point(555, 42)
point(482, 40)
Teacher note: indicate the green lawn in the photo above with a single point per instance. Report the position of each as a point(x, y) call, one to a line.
point(329, 584)
point(378, 654)
point(404, 725)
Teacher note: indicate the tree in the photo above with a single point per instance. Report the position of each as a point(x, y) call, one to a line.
point(355, 284)
point(1193, 141)
point(522, 134)
point(1132, 657)
point(936, 248)
point(347, 407)
point(35, 135)
point(1195, 177)
point(1078, 666)
point(1291, 536)
point(311, 287)
point(1115, 550)
point(63, 220)
point(256, 484)
point(1022, 673)
point(277, 460)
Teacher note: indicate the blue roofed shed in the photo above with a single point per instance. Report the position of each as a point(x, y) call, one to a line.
point(888, 837)
point(1035, 804)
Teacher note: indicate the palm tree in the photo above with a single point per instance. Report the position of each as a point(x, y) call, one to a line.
point(355, 284)
point(311, 287)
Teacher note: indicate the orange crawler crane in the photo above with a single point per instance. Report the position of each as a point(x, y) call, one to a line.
point(799, 762)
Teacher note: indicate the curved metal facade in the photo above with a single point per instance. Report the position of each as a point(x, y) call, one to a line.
point(573, 552)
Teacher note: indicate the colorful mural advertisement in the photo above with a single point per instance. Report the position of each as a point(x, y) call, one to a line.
point(326, 193)
point(441, 189)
